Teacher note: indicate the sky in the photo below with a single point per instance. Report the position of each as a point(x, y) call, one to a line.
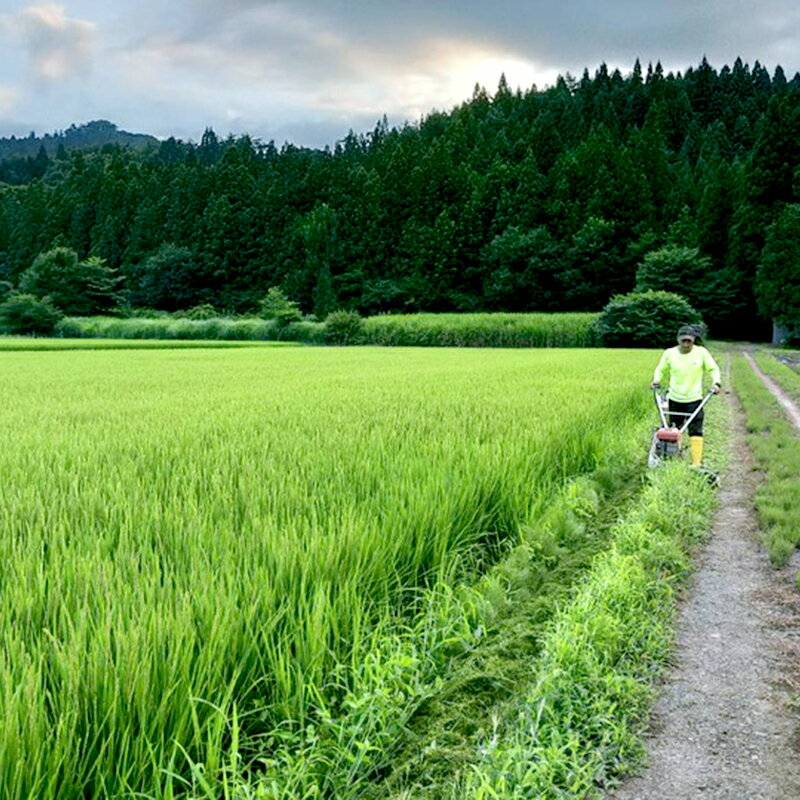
point(308, 71)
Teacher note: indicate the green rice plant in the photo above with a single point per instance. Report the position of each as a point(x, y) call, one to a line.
point(216, 562)
point(773, 440)
point(482, 330)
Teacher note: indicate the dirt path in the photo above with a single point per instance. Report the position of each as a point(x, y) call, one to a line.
point(721, 729)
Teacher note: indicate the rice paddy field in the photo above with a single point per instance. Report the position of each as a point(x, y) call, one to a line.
point(238, 572)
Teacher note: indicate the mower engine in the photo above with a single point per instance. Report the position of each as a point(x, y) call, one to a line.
point(667, 442)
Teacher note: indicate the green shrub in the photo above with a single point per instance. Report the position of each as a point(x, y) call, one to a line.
point(27, 314)
point(76, 287)
point(644, 319)
point(68, 328)
point(204, 311)
point(138, 312)
point(276, 305)
point(344, 327)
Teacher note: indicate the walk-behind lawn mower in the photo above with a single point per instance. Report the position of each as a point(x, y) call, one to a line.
point(668, 439)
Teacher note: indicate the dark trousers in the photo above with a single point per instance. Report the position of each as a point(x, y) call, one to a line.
point(682, 411)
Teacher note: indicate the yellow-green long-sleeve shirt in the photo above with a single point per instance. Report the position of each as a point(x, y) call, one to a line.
point(686, 372)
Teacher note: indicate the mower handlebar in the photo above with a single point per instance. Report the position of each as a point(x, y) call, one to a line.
point(689, 417)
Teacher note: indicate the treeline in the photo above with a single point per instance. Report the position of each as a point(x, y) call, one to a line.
point(20, 157)
point(519, 201)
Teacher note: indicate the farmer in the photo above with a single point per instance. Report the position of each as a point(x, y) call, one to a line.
point(687, 365)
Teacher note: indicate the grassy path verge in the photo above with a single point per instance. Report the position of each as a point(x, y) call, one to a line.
point(773, 440)
point(581, 723)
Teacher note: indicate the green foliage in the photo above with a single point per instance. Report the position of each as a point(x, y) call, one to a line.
point(275, 305)
point(170, 279)
point(685, 271)
point(344, 327)
point(6, 288)
point(323, 295)
point(676, 269)
point(75, 287)
point(205, 311)
point(644, 319)
point(778, 278)
point(542, 200)
point(142, 312)
point(523, 266)
point(28, 314)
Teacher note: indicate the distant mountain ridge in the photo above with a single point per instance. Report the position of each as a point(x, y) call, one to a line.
point(77, 137)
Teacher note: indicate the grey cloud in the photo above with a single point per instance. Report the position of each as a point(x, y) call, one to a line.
point(346, 62)
point(566, 36)
point(300, 69)
point(60, 47)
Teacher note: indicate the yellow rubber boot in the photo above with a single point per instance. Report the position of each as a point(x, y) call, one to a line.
point(696, 445)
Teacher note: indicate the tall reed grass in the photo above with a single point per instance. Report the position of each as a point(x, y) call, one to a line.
point(177, 328)
point(482, 330)
point(411, 330)
point(46, 343)
point(193, 536)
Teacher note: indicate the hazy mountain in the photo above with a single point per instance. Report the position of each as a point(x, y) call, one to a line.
point(80, 137)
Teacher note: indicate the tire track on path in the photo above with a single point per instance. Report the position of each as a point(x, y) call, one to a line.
point(720, 729)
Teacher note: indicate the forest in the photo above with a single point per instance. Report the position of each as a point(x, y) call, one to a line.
point(529, 200)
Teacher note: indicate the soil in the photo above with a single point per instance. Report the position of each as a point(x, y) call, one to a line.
point(722, 728)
